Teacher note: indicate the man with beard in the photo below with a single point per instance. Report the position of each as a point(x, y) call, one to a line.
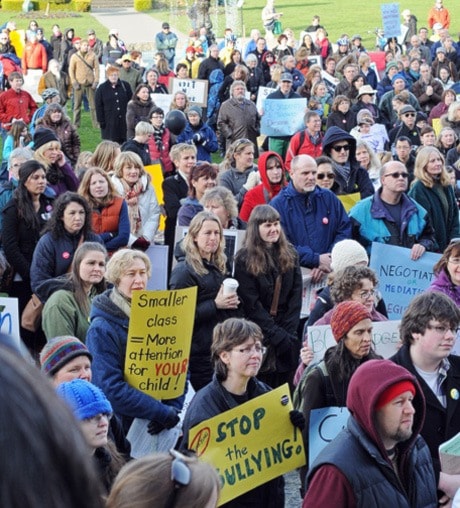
point(84, 76)
point(391, 463)
point(238, 117)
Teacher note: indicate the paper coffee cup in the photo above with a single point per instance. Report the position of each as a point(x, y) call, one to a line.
point(230, 286)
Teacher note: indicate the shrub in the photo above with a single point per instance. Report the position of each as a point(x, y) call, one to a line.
point(142, 5)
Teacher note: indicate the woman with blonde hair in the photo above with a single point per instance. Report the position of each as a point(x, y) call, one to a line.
point(131, 181)
point(105, 154)
point(59, 173)
point(369, 161)
point(109, 218)
point(204, 266)
point(180, 101)
point(432, 190)
point(149, 482)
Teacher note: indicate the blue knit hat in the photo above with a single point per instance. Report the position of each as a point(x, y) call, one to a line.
point(85, 399)
point(399, 75)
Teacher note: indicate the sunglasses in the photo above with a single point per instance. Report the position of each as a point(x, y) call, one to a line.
point(409, 114)
point(341, 148)
point(180, 476)
point(322, 176)
point(398, 174)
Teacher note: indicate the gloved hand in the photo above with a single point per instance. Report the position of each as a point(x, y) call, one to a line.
point(141, 244)
point(76, 86)
point(252, 181)
point(198, 139)
point(297, 419)
point(155, 427)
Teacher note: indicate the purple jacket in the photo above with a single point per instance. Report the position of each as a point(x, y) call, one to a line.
point(443, 284)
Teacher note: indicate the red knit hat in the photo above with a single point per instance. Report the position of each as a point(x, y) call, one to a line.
point(345, 316)
point(394, 391)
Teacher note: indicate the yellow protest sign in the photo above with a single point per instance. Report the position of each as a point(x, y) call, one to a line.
point(159, 340)
point(156, 174)
point(250, 444)
point(349, 200)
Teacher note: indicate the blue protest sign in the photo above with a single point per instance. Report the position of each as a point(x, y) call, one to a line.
point(400, 278)
point(325, 425)
point(390, 20)
point(283, 117)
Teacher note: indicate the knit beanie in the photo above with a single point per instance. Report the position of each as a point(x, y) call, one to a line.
point(85, 399)
point(347, 253)
point(59, 351)
point(43, 136)
point(399, 75)
point(390, 65)
point(195, 109)
point(393, 391)
point(345, 316)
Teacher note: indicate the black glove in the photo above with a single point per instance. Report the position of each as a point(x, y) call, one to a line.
point(155, 427)
point(197, 139)
point(297, 419)
point(141, 244)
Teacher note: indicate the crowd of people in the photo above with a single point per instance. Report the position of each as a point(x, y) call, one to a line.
point(378, 160)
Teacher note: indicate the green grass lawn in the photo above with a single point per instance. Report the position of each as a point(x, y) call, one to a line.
point(338, 16)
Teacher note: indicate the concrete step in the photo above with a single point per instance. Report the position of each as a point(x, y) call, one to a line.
point(97, 5)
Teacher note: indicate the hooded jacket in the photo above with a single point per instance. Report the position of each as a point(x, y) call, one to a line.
point(369, 479)
point(262, 194)
point(443, 284)
point(358, 179)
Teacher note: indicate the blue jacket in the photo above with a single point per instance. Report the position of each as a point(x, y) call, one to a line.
point(53, 257)
point(107, 339)
point(207, 143)
point(313, 223)
point(371, 221)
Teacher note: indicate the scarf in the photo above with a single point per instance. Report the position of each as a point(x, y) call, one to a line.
point(158, 136)
point(131, 195)
point(121, 301)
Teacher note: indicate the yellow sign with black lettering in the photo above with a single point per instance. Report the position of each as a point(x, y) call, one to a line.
point(250, 444)
point(159, 341)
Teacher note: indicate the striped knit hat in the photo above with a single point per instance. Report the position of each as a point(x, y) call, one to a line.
point(345, 316)
point(59, 351)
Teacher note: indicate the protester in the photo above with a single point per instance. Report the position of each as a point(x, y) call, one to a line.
point(133, 183)
point(105, 154)
point(16, 103)
point(128, 271)
point(202, 264)
point(391, 461)
point(59, 173)
point(109, 218)
point(93, 411)
point(68, 227)
point(270, 286)
point(203, 176)
point(237, 354)
point(428, 328)
point(138, 108)
point(432, 190)
point(66, 311)
point(447, 273)
point(221, 202)
point(160, 142)
point(56, 120)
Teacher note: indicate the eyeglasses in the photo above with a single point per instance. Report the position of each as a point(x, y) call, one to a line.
point(249, 350)
point(398, 174)
point(341, 148)
point(99, 417)
point(454, 261)
point(180, 476)
point(364, 295)
point(322, 176)
point(443, 329)
point(409, 114)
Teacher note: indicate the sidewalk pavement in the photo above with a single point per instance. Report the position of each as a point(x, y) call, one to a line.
point(136, 28)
